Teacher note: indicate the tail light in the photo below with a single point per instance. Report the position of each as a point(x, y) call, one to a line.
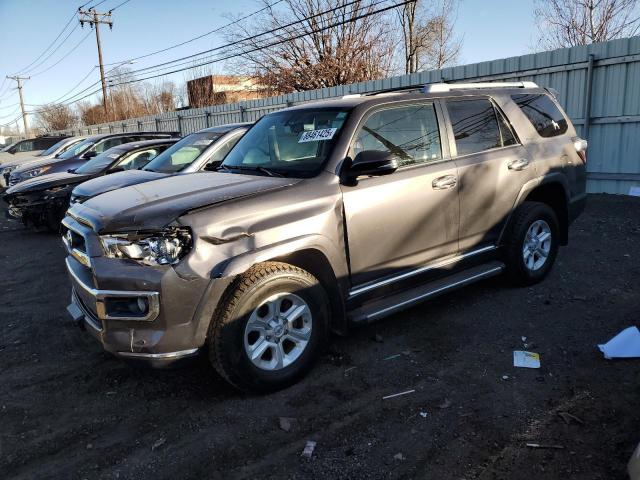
point(580, 144)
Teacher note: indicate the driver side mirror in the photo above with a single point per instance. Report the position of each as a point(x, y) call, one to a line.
point(372, 163)
point(89, 155)
point(12, 150)
point(115, 170)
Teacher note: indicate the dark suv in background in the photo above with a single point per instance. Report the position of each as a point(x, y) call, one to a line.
point(81, 152)
point(325, 214)
point(29, 147)
point(202, 150)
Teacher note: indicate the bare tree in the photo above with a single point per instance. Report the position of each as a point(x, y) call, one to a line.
point(567, 23)
point(341, 45)
point(428, 35)
point(55, 117)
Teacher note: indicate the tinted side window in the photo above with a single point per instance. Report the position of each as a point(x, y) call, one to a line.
point(411, 132)
point(109, 143)
point(542, 113)
point(475, 127)
point(44, 143)
point(25, 146)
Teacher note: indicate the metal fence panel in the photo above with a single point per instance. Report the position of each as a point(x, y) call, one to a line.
point(613, 126)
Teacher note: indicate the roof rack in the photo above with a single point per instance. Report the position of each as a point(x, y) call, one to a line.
point(447, 87)
point(444, 87)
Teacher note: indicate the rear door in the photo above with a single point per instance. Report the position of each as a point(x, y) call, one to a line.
point(402, 221)
point(492, 167)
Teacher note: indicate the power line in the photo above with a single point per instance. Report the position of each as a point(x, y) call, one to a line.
point(50, 45)
point(204, 34)
point(69, 101)
point(44, 60)
point(192, 64)
point(279, 42)
point(65, 56)
point(252, 37)
point(118, 6)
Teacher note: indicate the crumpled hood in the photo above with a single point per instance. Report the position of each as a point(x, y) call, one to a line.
point(45, 182)
point(114, 181)
point(156, 204)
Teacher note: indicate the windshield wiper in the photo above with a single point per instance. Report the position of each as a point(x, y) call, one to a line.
point(271, 173)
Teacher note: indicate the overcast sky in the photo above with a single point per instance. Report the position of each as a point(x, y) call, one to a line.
point(490, 29)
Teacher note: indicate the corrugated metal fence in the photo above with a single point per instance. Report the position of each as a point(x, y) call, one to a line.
point(598, 85)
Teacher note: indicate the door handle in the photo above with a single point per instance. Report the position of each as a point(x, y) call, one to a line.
point(443, 183)
point(519, 164)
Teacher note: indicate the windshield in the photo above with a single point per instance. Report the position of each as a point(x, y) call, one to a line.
point(291, 143)
point(52, 149)
point(100, 162)
point(8, 147)
point(77, 149)
point(182, 154)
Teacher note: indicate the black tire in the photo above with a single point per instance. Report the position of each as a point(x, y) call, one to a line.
point(525, 216)
point(227, 330)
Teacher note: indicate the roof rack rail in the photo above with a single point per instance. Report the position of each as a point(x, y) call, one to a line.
point(447, 87)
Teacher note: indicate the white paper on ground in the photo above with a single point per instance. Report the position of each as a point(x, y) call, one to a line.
point(624, 345)
point(526, 359)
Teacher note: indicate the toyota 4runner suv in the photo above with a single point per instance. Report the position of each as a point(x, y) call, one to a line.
point(324, 215)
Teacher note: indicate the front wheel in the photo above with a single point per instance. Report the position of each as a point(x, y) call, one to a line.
point(532, 243)
point(269, 328)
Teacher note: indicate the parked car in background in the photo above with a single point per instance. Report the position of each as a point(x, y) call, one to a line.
point(29, 147)
point(202, 150)
point(52, 152)
point(325, 214)
point(42, 201)
point(90, 147)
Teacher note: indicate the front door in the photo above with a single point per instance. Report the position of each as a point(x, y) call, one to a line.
point(405, 220)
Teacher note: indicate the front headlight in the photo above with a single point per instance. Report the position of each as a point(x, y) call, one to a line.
point(164, 247)
point(36, 172)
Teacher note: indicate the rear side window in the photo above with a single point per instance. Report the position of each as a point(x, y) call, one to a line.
point(543, 114)
point(411, 132)
point(475, 126)
point(44, 143)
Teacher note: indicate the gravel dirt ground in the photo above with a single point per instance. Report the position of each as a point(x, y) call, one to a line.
point(68, 410)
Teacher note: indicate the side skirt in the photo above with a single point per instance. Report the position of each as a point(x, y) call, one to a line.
point(380, 308)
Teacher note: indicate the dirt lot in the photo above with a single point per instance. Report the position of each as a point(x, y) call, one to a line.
point(68, 410)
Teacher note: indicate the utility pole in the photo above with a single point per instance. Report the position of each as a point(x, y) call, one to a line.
point(94, 19)
point(24, 114)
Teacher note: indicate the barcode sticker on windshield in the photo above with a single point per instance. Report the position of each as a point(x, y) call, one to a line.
point(113, 155)
point(315, 135)
point(205, 141)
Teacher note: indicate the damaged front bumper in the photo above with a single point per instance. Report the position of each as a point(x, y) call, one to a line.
point(153, 314)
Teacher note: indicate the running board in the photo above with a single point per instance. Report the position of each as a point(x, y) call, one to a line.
point(386, 306)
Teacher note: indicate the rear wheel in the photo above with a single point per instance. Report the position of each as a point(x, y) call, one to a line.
point(532, 243)
point(269, 328)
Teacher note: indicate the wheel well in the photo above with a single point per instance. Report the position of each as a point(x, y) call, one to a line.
point(553, 194)
point(317, 264)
